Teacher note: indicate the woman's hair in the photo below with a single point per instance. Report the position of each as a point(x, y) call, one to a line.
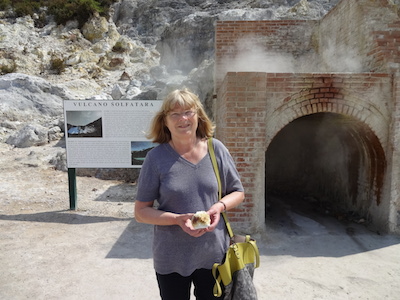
point(159, 133)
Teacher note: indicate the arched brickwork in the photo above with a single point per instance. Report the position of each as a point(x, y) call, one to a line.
point(331, 100)
point(252, 108)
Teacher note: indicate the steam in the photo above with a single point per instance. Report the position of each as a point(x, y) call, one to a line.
point(341, 58)
point(253, 57)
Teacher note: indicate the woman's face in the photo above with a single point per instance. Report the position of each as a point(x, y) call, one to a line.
point(182, 122)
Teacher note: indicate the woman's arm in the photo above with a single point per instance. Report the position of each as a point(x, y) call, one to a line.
point(231, 200)
point(145, 213)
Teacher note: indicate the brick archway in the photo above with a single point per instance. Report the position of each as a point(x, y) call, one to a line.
point(324, 97)
point(254, 107)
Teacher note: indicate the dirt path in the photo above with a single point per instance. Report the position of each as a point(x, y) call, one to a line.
point(100, 252)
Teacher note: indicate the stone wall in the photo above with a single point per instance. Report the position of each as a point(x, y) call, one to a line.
point(366, 30)
point(394, 170)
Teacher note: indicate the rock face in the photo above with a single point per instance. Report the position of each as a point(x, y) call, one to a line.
point(142, 50)
point(176, 37)
point(30, 135)
point(31, 110)
point(31, 95)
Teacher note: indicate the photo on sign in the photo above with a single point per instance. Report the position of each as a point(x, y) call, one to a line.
point(84, 124)
point(139, 151)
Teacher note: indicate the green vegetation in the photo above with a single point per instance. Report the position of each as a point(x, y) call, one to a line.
point(6, 69)
point(61, 10)
point(57, 65)
point(118, 47)
point(4, 4)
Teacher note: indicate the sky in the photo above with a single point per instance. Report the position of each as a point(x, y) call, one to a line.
point(82, 118)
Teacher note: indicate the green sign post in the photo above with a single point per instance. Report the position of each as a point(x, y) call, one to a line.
point(72, 188)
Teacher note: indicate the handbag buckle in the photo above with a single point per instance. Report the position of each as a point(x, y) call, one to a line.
point(236, 250)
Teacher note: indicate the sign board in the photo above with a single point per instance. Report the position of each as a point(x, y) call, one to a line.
point(108, 134)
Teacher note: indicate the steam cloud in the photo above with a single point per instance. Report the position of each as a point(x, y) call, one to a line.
point(252, 57)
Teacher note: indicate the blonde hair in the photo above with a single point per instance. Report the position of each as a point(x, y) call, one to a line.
point(159, 133)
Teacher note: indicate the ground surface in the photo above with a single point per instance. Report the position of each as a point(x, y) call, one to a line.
point(101, 252)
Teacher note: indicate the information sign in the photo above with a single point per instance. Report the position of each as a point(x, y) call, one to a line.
point(108, 134)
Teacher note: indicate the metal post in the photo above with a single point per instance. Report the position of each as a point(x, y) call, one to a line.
point(72, 188)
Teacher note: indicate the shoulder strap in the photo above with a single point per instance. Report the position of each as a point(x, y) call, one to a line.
point(215, 166)
point(216, 171)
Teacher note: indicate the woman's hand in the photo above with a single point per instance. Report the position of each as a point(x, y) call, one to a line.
point(215, 215)
point(227, 202)
point(185, 222)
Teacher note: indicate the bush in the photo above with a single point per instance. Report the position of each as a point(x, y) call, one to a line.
point(80, 10)
point(57, 65)
point(6, 69)
point(5, 4)
point(62, 10)
point(25, 7)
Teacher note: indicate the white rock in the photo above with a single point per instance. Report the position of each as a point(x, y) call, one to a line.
point(132, 92)
point(73, 59)
point(95, 29)
point(28, 136)
point(117, 92)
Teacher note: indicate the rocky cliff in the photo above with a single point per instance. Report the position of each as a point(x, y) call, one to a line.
point(144, 49)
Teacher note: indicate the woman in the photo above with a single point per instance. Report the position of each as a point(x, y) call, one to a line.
point(178, 174)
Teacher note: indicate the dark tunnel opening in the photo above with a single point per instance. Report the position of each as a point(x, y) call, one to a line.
point(325, 163)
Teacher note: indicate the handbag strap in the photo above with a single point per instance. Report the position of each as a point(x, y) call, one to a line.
point(216, 171)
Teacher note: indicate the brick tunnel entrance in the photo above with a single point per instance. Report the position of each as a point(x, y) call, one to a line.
point(328, 145)
point(326, 163)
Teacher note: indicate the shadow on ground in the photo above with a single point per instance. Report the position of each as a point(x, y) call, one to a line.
point(134, 242)
point(61, 216)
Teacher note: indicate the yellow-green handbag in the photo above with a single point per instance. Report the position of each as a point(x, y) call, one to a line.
point(236, 271)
